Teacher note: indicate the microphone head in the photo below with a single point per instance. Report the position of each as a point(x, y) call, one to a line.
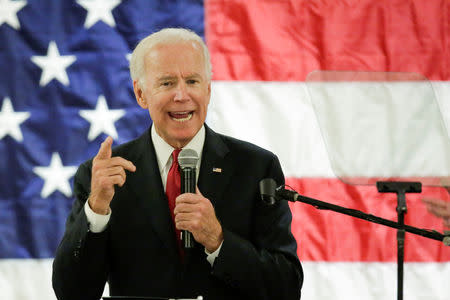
point(187, 158)
point(267, 188)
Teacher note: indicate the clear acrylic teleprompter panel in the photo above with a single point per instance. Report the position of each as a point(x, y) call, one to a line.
point(380, 126)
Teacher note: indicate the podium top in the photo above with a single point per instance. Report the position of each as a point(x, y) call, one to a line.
point(148, 298)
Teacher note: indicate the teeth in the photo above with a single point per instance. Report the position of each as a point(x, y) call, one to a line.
point(180, 113)
point(182, 119)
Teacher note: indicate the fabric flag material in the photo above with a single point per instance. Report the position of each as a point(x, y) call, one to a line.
point(65, 86)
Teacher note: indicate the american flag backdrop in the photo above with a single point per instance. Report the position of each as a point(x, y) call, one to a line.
point(65, 86)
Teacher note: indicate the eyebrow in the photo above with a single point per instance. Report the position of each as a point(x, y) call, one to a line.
point(170, 77)
point(193, 75)
point(163, 78)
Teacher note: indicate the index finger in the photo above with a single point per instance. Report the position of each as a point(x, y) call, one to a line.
point(187, 198)
point(105, 149)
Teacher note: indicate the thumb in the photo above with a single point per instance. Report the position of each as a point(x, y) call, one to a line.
point(197, 191)
point(105, 151)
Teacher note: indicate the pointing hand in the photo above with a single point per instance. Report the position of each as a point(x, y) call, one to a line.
point(107, 171)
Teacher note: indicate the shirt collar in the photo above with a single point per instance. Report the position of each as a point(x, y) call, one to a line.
point(164, 150)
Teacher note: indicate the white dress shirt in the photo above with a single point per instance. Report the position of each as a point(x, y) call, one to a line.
point(98, 222)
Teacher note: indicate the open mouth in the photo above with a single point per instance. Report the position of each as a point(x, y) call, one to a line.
point(181, 116)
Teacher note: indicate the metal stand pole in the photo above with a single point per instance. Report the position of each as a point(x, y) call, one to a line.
point(400, 188)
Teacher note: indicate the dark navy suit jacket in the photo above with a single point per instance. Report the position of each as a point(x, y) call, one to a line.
point(137, 253)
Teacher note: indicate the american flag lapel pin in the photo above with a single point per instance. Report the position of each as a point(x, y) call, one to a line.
point(217, 170)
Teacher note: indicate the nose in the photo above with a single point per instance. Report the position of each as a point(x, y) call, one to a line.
point(181, 93)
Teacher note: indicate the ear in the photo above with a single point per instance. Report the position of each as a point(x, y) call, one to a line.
point(139, 94)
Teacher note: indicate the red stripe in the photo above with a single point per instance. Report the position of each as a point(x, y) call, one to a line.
point(330, 236)
point(286, 40)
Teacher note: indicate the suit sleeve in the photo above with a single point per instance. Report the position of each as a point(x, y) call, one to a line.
point(80, 267)
point(265, 266)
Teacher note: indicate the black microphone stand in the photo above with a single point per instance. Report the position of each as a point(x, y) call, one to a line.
point(400, 188)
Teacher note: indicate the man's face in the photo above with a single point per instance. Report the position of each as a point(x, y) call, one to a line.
point(175, 91)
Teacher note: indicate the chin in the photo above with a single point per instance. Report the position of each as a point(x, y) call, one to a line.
point(183, 137)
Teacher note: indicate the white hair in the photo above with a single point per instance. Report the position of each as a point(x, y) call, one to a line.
point(164, 37)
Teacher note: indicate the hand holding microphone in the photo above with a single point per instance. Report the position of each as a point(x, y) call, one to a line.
point(194, 214)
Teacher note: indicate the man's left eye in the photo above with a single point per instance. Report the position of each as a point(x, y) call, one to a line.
point(192, 81)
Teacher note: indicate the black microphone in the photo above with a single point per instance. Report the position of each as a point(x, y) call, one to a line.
point(187, 159)
point(270, 193)
point(267, 188)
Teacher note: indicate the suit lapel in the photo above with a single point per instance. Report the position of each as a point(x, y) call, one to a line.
point(147, 185)
point(215, 172)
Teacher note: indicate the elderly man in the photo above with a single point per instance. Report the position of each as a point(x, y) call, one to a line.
point(125, 223)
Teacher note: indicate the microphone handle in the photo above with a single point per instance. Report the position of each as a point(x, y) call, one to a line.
point(188, 176)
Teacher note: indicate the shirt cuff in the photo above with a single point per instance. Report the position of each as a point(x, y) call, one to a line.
point(212, 256)
point(97, 222)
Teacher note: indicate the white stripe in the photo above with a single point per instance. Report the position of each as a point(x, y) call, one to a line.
point(278, 116)
point(374, 281)
point(30, 279)
point(26, 279)
point(274, 115)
